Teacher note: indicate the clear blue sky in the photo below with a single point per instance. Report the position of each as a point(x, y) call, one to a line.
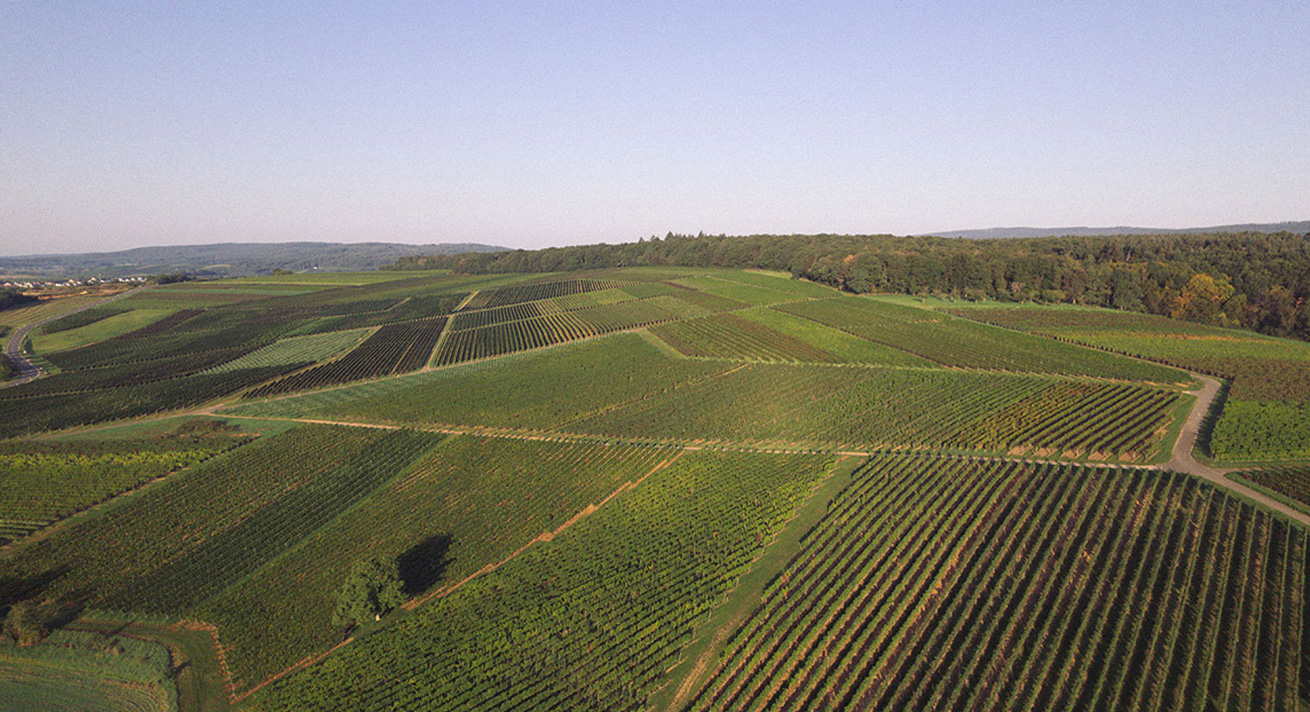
point(534, 124)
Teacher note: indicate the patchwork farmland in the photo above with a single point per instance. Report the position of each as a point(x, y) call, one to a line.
point(648, 489)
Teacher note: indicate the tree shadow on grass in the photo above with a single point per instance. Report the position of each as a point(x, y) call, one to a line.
point(422, 565)
point(1206, 431)
point(18, 588)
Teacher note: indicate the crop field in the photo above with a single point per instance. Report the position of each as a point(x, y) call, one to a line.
point(867, 408)
point(659, 400)
point(469, 504)
point(1267, 416)
point(526, 325)
point(730, 336)
point(193, 353)
point(321, 279)
point(533, 292)
point(71, 407)
point(162, 525)
point(239, 550)
point(649, 489)
point(590, 620)
point(508, 337)
point(46, 309)
point(392, 349)
point(83, 318)
point(1263, 368)
point(845, 347)
point(747, 292)
point(540, 390)
point(1289, 482)
point(41, 482)
point(1040, 587)
point(162, 298)
point(952, 341)
point(297, 349)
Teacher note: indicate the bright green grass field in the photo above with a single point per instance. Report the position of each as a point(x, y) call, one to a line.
point(107, 328)
point(780, 281)
point(297, 349)
point(740, 291)
point(76, 672)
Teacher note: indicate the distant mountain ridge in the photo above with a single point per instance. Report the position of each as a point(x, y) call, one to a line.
point(996, 233)
point(228, 259)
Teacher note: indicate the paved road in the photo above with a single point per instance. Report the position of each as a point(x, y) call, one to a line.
point(28, 371)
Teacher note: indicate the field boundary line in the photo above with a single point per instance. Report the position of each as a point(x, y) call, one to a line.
point(441, 339)
point(220, 651)
point(466, 300)
point(547, 535)
point(303, 663)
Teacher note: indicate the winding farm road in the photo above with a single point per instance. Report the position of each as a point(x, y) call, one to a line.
point(28, 371)
point(1184, 460)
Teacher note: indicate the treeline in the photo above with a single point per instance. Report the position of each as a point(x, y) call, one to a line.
point(1259, 281)
point(11, 297)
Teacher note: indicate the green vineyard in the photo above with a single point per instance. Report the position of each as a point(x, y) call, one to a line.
point(533, 292)
point(42, 482)
point(730, 336)
point(467, 504)
point(392, 349)
point(1040, 587)
point(956, 342)
point(590, 621)
point(1268, 414)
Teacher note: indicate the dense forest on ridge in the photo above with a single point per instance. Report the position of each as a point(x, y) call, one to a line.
point(1254, 280)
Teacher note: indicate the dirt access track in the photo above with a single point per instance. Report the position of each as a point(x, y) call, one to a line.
point(1184, 458)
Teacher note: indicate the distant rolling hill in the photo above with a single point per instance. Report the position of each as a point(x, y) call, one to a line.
point(1012, 232)
point(229, 259)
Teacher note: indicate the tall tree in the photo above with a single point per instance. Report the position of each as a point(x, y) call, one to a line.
point(372, 588)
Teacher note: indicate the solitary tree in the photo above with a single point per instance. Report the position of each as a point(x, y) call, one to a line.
point(371, 589)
